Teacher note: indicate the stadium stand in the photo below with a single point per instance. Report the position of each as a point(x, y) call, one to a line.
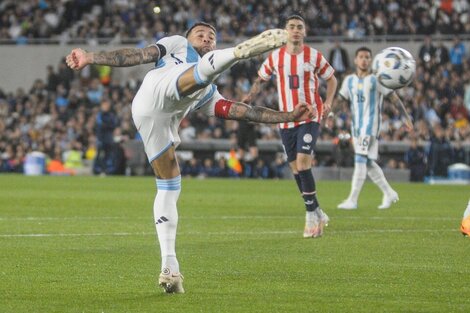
point(58, 115)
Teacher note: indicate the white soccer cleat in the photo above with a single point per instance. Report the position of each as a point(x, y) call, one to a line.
point(347, 205)
point(315, 229)
point(266, 41)
point(388, 200)
point(171, 282)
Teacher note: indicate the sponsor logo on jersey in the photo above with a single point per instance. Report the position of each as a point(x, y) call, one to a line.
point(306, 147)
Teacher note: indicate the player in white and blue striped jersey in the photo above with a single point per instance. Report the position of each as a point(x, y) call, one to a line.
point(365, 96)
point(181, 82)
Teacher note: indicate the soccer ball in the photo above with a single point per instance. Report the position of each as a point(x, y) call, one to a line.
point(394, 67)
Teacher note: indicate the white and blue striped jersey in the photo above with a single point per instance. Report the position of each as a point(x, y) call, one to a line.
point(365, 96)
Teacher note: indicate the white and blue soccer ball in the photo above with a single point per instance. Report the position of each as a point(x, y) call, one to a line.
point(394, 67)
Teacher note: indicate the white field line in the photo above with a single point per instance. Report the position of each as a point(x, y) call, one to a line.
point(229, 233)
point(233, 217)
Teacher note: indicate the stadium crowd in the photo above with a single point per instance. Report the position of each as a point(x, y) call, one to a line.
point(66, 116)
point(121, 20)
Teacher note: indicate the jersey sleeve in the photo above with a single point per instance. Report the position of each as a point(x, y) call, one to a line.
point(267, 68)
point(170, 44)
point(325, 70)
point(344, 90)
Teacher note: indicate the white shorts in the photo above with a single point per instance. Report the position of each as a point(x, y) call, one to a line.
point(366, 146)
point(157, 108)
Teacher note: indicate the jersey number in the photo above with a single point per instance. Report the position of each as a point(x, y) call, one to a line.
point(294, 81)
point(177, 61)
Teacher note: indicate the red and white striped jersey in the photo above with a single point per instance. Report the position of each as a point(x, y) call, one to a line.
point(297, 78)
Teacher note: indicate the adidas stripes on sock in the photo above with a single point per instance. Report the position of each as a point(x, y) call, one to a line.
point(212, 64)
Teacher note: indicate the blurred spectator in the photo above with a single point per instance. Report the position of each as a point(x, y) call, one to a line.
point(339, 59)
point(106, 122)
point(415, 158)
point(427, 51)
point(457, 54)
point(440, 155)
point(191, 168)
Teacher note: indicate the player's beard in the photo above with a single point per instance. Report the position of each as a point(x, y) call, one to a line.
point(203, 50)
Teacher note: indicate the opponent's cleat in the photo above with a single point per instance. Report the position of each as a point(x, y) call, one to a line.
point(266, 41)
point(465, 226)
point(315, 229)
point(347, 205)
point(171, 282)
point(388, 200)
point(323, 220)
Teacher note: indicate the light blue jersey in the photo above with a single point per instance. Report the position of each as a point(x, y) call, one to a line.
point(365, 96)
point(177, 51)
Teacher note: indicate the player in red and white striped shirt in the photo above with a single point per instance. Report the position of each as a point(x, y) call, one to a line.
point(297, 68)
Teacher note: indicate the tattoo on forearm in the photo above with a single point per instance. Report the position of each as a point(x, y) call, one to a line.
point(126, 57)
point(241, 111)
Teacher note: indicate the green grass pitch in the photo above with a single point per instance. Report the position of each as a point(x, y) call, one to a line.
point(87, 244)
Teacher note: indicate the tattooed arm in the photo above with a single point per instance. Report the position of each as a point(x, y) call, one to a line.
point(242, 111)
point(255, 89)
point(79, 58)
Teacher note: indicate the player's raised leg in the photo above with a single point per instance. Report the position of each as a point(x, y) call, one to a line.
point(213, 63)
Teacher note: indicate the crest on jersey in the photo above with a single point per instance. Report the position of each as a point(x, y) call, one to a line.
point(308, 67)
point(308, 138)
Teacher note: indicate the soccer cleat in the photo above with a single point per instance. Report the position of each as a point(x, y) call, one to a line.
point(171, 282)
point(347, 205)
point(315, 229)
point(266, 41)
point(323, 220)
point(388, 200)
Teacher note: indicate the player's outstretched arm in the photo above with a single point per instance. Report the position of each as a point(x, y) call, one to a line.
point(242, 111)
point(79, 58)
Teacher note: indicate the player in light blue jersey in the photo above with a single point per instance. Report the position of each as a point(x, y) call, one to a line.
point(181, 82)
point(365, 97)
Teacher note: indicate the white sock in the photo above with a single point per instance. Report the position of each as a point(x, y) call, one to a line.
point(467, 211)
point(358, 179)
point(166, 220)
point(377, 176)
point(212, 64)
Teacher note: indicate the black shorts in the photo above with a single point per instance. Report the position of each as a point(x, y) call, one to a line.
point(246, 136)
point(300, 139)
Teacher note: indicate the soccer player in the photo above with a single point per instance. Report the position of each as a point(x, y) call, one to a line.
point(365, 96)
point(297, 68)
point(180, 83)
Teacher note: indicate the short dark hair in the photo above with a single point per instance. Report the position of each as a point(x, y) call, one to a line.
point(294, 17)
point(363, 49)
point(200, 24)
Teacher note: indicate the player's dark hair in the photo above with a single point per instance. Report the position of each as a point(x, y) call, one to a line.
point(294, 17)
point(200, 24)
point(363, 49)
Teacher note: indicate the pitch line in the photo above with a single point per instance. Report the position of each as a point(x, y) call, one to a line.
point(228, 217)
point(229, 233)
